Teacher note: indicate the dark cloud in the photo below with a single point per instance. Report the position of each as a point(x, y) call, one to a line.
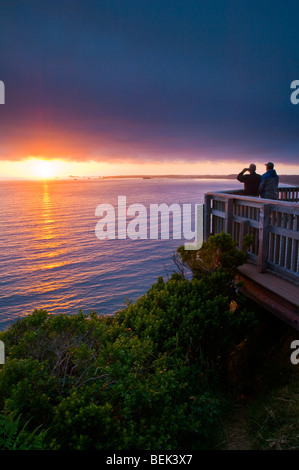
point(149, 80)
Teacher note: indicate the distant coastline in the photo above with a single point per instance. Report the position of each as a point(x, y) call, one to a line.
point(286, 179)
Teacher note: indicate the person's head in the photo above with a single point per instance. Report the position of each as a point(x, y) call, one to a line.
point(252, 167)
point(269, 166)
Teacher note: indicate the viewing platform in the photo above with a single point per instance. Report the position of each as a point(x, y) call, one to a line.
point(271, 275)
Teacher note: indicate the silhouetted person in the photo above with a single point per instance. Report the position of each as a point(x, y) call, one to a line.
point(251, 181)
point(269, 183)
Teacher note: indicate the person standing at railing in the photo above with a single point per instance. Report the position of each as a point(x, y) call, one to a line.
point(251, 181)
point(269, 183)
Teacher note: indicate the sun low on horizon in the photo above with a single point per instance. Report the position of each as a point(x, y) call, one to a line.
point(36, 168)
point(42, 168)
point(45, 169)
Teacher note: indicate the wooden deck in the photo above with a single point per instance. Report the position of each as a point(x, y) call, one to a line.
point(271, 276)
point(279, 296)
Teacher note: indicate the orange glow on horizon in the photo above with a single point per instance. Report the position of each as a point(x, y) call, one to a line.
point(42, 168)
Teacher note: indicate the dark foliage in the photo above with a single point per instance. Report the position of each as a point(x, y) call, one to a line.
point(146, 378)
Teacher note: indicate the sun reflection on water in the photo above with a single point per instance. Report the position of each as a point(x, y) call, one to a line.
point(47, 235)
point(47, 226)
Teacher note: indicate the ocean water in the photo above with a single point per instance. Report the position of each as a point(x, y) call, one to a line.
point(50, 255)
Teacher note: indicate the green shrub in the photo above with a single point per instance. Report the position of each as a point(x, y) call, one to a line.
point(188, 319)
point(12, 437)
point(147, 378)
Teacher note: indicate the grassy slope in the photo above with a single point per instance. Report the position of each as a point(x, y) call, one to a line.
point(266, 415)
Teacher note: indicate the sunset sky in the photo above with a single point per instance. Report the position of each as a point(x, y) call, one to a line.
point(116, 87)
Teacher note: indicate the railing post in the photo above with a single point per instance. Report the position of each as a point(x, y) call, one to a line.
point(207, 217)
point(263, 237)
point(228, 221)
point(244, 230)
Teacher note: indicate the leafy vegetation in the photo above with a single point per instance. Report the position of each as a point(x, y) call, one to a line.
point(156, 375)
point(12, 437)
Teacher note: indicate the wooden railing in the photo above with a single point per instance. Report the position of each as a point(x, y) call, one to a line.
point(273, 224)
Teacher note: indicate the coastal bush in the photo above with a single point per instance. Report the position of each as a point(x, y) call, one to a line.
point(219, 253)
point(117, 393)
point(13, 437)
point(189, 319)
point(150, 377)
